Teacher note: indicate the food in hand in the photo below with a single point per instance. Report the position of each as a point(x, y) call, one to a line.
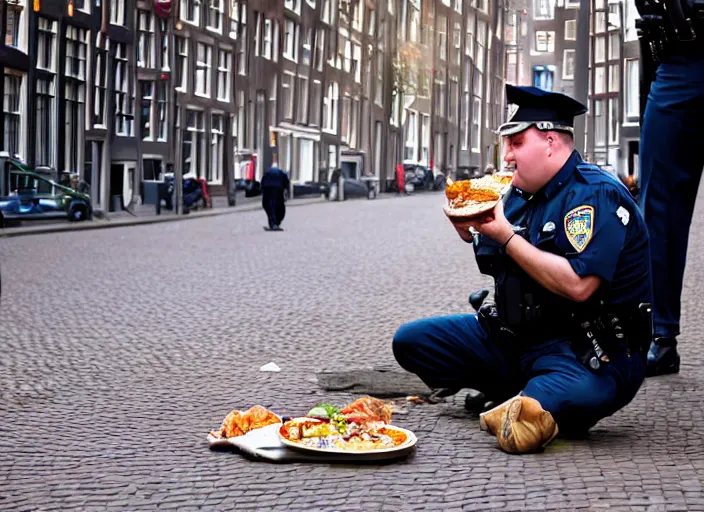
point(238, 423)
point(469, 198)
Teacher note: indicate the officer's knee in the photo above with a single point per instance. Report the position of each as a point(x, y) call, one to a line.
point(406, 342)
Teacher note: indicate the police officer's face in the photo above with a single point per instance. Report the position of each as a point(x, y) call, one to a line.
point(528, 151)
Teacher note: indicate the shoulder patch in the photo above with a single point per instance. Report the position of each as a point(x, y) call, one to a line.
point(579, 226)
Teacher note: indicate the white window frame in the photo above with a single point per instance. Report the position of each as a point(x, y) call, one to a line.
point(570, 30)
point(293, 6)
point(152, 109)
point(182, 56)
point(117, 12)
point(184, 10)
point(291, 40)
point(147, 35)
point(613, 113)
point(548, 46)
point(631, 104)
point(565, 54)
point(205, 67)
point(216, 10)
point(224, 75)
point(217, 147)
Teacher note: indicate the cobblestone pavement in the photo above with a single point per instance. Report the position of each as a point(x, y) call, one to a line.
point(122, 348)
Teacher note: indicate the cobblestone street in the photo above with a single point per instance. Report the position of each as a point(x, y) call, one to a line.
point(122, 348)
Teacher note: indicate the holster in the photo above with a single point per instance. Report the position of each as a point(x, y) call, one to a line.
point(498, 333)
point(605, 333)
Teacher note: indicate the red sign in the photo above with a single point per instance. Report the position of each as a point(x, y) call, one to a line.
point(162, 8)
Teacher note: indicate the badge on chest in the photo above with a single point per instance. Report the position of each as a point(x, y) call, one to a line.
point(579, 226)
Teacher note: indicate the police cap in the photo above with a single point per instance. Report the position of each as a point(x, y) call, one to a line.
point(547, 111)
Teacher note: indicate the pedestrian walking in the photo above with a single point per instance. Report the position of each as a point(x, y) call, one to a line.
point(274, 184)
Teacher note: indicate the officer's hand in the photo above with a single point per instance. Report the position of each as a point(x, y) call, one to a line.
point(494, 224)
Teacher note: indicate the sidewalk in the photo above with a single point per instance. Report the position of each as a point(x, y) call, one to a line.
point(146, 214)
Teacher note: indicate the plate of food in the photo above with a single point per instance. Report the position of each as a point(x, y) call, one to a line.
point(467, 199)
point(362, 428)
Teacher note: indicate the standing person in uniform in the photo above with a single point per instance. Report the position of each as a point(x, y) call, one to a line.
point(564, 346)
point(274, 183)
point(671, 166)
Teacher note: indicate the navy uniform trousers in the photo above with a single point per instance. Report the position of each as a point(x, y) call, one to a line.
point(671, 162)
point(456, 352)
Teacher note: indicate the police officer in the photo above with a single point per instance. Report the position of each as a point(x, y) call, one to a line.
point(564, 344)
point(671, 164)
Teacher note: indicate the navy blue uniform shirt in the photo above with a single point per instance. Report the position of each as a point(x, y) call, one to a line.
point(587, 216)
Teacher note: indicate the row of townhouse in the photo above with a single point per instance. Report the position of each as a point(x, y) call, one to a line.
point(543, 36)
point(122, 91)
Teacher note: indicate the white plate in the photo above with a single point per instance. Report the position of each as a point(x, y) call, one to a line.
point(411, 440)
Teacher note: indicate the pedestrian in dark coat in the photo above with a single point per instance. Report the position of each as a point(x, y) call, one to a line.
point(274, 183)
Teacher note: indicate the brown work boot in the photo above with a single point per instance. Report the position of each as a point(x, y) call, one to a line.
point(490, 421)
point(525, 426)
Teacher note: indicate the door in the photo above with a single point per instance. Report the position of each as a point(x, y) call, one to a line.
point(306, 160)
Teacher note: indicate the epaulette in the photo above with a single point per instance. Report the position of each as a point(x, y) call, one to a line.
point(594, 174)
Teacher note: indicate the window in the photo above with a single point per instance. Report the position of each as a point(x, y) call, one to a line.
point(182, 64)
point(291, 40)
point(165, 64)
point(241, 120)
point(267, 39)
point(11, 109)
point(243, 55)
point(13, 24)
point(632, 86)
point(599, 22)
point(464, 125)
point(330, 108)
point(469, 43)
point(613, 78)
point(146, 46)
point(614, 46)
point(147, 110)
point(457, 43)
point(193, 152)
point(234, 18)
point(599, 123)
point(117, 12)
point(613, 121)
point(302, 104)
point(599, 80)
point(215, 11)
point(45, 123)
point(320, 49)
point(224, 75)
point(217, 149)
point(599, 49)
point(571, 30)
point(442, 37)
point(287, 85)
point(190, 11)
point(74, 112)
point(100, 81)
point(293, 5)
point(545, 41)
point(204, 63)
point(411, 151)
point(329, 11)
point(124, 117)
point(162, 111)
point(76, 50)
point(46, 44)
point(476, 122)
point(379, 89)
point(481, 45)
point(568, 61)
point(425, 139)
point(543, 77)
point(314, 118)
point(543, 9)
point(345, 120)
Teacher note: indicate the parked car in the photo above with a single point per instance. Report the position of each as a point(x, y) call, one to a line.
point(29, 195)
